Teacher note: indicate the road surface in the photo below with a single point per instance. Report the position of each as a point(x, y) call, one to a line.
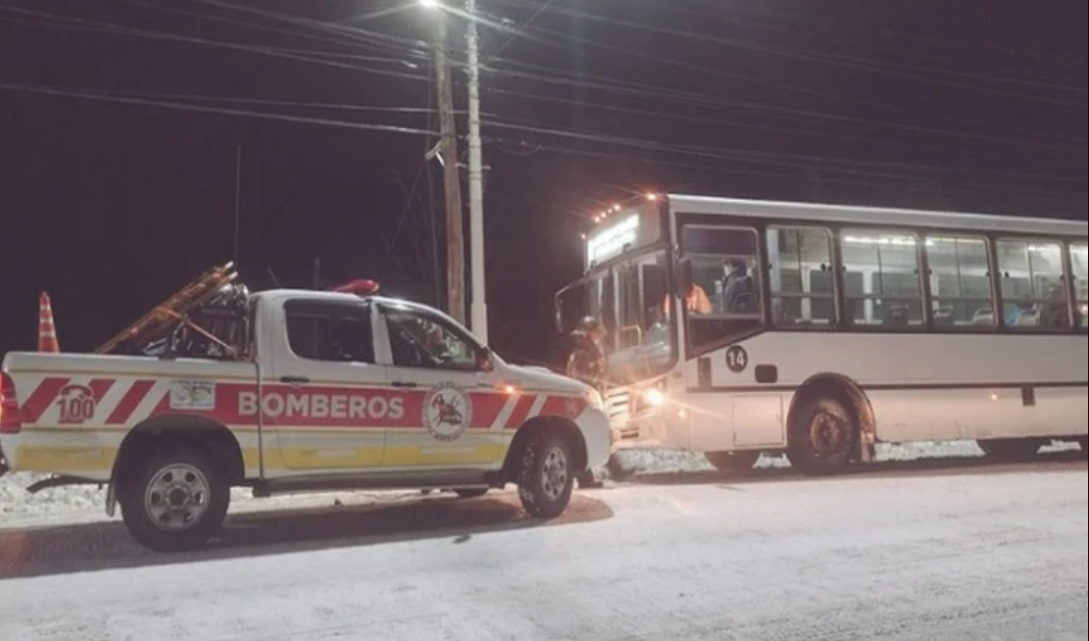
point(968, 553)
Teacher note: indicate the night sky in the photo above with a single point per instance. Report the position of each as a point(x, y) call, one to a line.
point(110, 206)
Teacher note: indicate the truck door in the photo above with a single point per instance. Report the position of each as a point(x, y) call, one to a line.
point(325, 398)
point(456, 398)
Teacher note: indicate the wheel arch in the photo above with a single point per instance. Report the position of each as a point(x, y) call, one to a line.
point(850, 393)
point(210, 436)
point(550, 424)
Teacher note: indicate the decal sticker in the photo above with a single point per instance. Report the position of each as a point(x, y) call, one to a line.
point(737, 359)
point(193, 395)
point(77, 404)
point(447, 412)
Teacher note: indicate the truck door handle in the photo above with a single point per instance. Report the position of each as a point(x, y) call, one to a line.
point(294, 380)
point(403, 384)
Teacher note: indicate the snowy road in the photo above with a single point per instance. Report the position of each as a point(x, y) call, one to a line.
point(928, 552)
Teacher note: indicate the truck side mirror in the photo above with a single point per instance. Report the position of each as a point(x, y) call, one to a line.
point(484, 360)
point(684, 277)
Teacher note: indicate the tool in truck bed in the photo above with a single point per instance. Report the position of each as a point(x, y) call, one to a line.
point(160, 321)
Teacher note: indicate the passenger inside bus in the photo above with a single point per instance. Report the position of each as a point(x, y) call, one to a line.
point(696, 301)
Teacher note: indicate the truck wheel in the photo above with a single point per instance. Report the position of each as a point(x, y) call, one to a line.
point(732, 461)
point(1010, 449)
point(471, 493)
point(545, 479)
point(823, 434)
point(175, 501)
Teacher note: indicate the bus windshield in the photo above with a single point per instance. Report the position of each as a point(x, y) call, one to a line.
point(629, 301)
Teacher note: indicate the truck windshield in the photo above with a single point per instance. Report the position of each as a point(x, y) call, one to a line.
point(629, 300)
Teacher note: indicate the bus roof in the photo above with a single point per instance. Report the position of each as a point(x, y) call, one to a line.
point(875, 215)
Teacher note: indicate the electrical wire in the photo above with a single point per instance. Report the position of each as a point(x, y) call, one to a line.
point(89, 95)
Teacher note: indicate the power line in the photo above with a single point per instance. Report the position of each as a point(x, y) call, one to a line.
point(850, 62)
point(70, 93)
point(760, 157)
point(672, 62)
point(730, 123)
point(554, 76)
point(114, 29)
point(721, 170)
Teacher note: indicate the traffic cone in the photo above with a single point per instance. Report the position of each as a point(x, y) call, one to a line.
point(47, 331)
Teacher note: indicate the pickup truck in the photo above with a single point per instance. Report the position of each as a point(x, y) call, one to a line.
point(312, 391)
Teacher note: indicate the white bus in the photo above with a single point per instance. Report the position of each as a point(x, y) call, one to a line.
point(820, 330)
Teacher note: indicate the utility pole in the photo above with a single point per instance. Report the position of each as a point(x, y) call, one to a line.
point(479, 305)
point(455, 233)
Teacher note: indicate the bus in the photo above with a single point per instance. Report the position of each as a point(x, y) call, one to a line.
point(733, 327)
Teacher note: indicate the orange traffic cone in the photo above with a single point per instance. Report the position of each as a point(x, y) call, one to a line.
point(47, 331)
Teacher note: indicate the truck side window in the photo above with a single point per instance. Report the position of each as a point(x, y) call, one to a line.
point(421, 340)
point(329, 331)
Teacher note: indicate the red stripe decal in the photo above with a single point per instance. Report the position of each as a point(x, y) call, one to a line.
point(486, 407)
point(129, 402)
point(99, 387)
point(565, 406)
point(521, 411)
point(40, 398)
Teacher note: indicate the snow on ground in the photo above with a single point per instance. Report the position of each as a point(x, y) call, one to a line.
point(85, 503)
point(974, 553)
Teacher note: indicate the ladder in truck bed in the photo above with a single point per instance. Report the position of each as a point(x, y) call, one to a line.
point(163, 318)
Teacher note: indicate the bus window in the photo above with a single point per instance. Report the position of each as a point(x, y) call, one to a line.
point(1033, 294)
point(724, 267)
point(960, 282)
point(891, 294)
point(1079, 264)
point(800, 275)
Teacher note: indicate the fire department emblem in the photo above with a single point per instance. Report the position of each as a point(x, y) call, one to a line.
point(447, 412)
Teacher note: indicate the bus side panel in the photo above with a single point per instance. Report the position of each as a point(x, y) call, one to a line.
point(921, 386)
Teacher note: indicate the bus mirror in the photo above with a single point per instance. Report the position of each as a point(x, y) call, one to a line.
point(684, 276)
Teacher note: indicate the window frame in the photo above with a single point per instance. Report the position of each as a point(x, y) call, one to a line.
point(480, 352)
point(761, 317)
point(833, 296)
point(992, 284)
point(846, 321)
point(1076, 315)
point(363, 310)
point(1065, 277)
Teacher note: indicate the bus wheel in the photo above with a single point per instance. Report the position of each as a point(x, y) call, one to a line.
point(1083, 443)
point(1010, 449)
point(732, 461)
point(823, 434)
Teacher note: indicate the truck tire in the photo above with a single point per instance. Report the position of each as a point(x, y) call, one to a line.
point(732, 461)
point(545, 478)
point(1010, 449)
point(174, 501)
point(822, 436)
point(470, 492)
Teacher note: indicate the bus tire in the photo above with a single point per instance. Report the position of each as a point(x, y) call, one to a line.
point(823, 434)
point(733, 461)
point(545, 476)
point(175, 501)
point(1083, 443)
point(1010, 449)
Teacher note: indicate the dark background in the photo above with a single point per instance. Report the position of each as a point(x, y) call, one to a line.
point(110, 206)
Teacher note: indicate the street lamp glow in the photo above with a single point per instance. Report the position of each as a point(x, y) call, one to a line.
point(430, 4)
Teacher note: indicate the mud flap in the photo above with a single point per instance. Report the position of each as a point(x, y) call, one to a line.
point(111, 498)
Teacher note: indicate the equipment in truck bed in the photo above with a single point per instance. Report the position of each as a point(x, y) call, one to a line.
point(179, 308)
